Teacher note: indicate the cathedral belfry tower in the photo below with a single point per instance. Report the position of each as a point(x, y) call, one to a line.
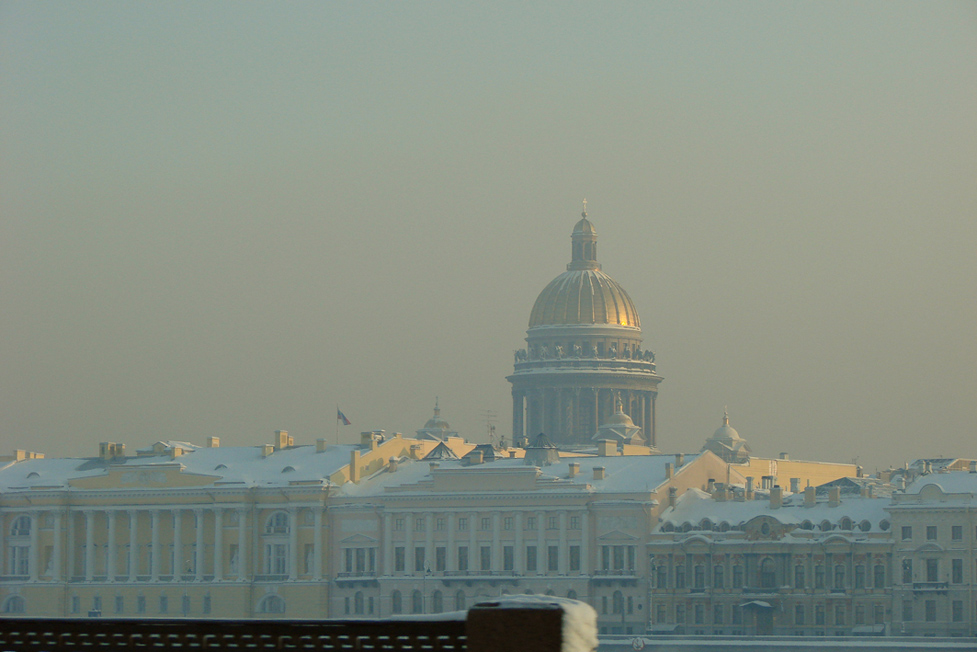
point(583, 351)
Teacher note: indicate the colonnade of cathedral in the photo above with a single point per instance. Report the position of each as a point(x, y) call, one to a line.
point(573, 414)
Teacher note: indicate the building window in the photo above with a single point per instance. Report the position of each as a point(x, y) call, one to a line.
point(574, 522)
point(439, 524)
point(361, 561)
point(660, 616)
point(879, 579)
point(699, 576)
point(956, 571)
point(277, 523)
point(531, 559)
point(396, 602)
point(680, 614)
point(552, 523)
point(553, 559)
point(879, 613)
point(907, 571)
point(463, 558)
point(768, 574)
point(440, 558)
point(398, 525)
point(859, 576)
point(956, 533)
point(460, 603)
point(799, 615)
point(271, 604)
point(930, 611)
point(957, 611)
point(717, 614)
point(185, 605)
point(737, 577)
point(399, 559)
point(799, 577)
point(680, 577)
point(699, 614)
point(140, 604)
point(462, 524)
point(485, 558)
point(717, 576)
point(819, 576)
point(164, 604)
point(276, 558)
point(419, 560)
point(819, 614)
point(931, 533)
point(907, 533)
point(839, 576)
point(417, 602)
point(419, 525)
point(932, 570)
point(359, 605)
point(486, 524)
point(437, 598)
point(839, 615)
point(617, 603)
point(530, 522)
point(21, 527)
point(14, 605)
point(119, 604)
point(508, 558)
point(661, 576)
point(574, 558)
point(737, 615)
point(206, 604)
point(907, 611)
point(507, 523)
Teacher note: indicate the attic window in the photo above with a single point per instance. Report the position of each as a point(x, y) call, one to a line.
point(288, 469)
point(865, 526)
point(220, 467)
point(807, 525)
point(825, 526)
point(884, 525)
point(846, 523)
point(33, 474)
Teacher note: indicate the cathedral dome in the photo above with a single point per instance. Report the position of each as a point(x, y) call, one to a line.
point(584, 294)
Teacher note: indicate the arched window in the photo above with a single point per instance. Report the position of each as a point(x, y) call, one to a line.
point(879, 576)
point(460, 604)
point(699, 576)
point(417, 602)
point(717, 576)
point(617, 603)
point(550, 592)
point(819, 576)
point(839, 576)
point(846, 523)
point(14, 605)
point(277, 523)
point(437, 600)
point(21, 526)
point(571, 594)
point(396, 602)
point(799, 577)
point(271, 604)
point(358, 607)
point(768, 573)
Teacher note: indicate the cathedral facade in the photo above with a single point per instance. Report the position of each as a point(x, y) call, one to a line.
point(583, 354)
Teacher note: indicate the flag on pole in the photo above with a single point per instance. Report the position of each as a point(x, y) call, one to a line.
point(342, 417)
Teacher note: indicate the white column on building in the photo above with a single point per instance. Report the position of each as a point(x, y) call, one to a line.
point(177, 560)
point(585, 543)
point(451, 562)
point(241, 544)
point(541, 560)
point(496, 542)
point(518, 549)
point(429, 541)
point(218, 544)
point(56, 571)
point(198, 562)
point(154, 549)
point(33, 560)
point(111, 565)
point(409, 543)
point(473, 560)
point(293, 543)
point(72, 546)
point(317, 545)
point(564, 564)
point(89, 545)
point(387, 545)
point(133, 545)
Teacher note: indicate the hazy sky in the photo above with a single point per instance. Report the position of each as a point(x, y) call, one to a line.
point(227, 218)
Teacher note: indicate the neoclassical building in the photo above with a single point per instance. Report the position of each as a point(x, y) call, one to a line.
point(583, 352)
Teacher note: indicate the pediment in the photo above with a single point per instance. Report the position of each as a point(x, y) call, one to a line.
point(358, 539)
point(150, 476)
point(617, 535)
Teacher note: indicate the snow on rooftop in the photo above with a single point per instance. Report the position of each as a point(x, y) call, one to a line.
point(954, 482)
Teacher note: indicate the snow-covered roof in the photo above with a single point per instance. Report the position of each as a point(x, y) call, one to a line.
point(954, 482)
point(696, 508)
point(230, 466)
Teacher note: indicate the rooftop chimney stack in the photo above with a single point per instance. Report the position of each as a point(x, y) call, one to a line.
point(679, 460)
point(776, 497)
point(973, 466)
point(574, 468)
point(668, 470)
point(213, 442)
point(321, 445)
point(834, 496)
point(749, 487)
point(795, 485)
point(672, 496)
point(599, 473)
point(810, 496)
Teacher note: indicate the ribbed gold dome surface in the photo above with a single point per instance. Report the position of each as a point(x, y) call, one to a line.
point(583, 296)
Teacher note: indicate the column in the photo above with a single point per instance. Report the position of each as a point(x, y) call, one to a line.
point(653, 435)
point(133, 545)
point(154, 547)
point(429, 541)
point(409, 543)
point(644, 417)
point(474, 562)
point(56, 571)
point(496, 542)
point(451, 562)
point(544, 423)
point(198, 562)
point(33, 560)
point(241, 543)
point(111, 565)
point(595, 422)
point(317, 545)
point(218, 545)
point(585, 543)
point(564, 564)
point(518, 549)
point(177, 561)
point(517, 416)
point(89, 546)
point(72, 545)
point(541, 543)
point(293, 543)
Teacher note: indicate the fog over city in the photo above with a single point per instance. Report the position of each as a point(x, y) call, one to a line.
point(227, 219)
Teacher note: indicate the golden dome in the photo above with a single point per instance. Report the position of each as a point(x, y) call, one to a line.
point(584, 296)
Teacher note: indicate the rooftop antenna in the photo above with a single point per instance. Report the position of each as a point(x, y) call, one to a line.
point(490, 425)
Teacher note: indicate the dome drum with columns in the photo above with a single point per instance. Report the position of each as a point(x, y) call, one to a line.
point(583, 350)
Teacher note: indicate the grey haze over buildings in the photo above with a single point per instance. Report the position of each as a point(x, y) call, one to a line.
point(223, 219)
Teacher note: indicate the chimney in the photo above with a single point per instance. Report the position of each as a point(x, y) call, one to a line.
point(668, 470)
point(574, 468)
point(784, 456)
point(973, 466)
point(901, 483)
point(599, 473)
point(104, 451)
point(864, 491)
point(679, 460)
point(739, 496)
point(710, 485)
point(20, 455)
point(175, 451)
point(795, 485)
point(267, 450)
point(776, 497)
point(281, 439)
point(749, 487)
point(354, 466)
point(321, 445)
point(474, 457)
point(415, 451)
point(810, 496)
point(392, 466)
point(213, 442)
point(672, 496)
point(871, 491)
point(606, 448)
point(720, 495)
point(834, 496)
